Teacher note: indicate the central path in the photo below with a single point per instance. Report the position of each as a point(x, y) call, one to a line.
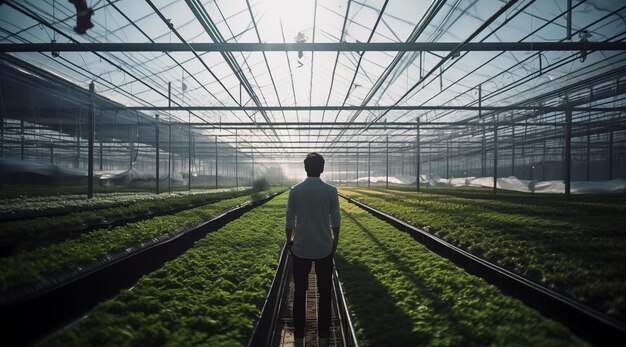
point(285, 323)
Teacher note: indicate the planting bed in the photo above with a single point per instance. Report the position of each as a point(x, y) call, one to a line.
point(26, 269)
point(44, 230)
point(52, 205)
point(211, 295)
point(577, 247)
point(401, 294)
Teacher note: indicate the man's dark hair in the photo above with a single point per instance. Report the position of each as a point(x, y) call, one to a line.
point(314, 164)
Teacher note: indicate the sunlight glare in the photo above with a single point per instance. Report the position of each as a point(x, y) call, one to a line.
point(295, 17)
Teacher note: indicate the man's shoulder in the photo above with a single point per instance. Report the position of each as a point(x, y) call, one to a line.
point(297, 186)
point(330, 186)
point(314, 185)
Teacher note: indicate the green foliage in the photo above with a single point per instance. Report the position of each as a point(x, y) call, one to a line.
point(401, 294)
point(210, 296)
point(577, 247)
point(260, 184)
point(139, 206)
point(30, 267)
point(27, 206)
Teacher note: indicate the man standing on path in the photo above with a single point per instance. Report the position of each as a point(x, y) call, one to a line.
point(312, 211)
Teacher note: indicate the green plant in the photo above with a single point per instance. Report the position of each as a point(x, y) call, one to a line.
point(31, 267)
point(567, 246)
point(260, 184)
point(401, 294)
point(34, 226)
point(211, 295)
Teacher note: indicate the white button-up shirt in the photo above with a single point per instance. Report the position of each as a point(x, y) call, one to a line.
point(313, 207)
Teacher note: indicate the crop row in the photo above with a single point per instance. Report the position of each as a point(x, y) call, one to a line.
point(31, 267)
point(55, 204)
point(401, 294)
point(74, 220)
point(210, 296)
point(577, 248)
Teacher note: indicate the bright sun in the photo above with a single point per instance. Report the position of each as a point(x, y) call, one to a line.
point(295, 17)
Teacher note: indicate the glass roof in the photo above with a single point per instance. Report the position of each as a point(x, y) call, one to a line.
point(323, 78)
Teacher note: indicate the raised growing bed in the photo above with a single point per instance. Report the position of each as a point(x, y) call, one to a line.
point(211, 295)
point(401, 294)
point(12, 209)
point(28, 234)
point(25, 270)
point(576, 248)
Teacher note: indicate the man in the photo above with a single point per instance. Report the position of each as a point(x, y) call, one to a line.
point(312, 211)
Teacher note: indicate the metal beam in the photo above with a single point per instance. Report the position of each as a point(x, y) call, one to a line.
point(560, 108)
point(365, 108)
point(317, 47)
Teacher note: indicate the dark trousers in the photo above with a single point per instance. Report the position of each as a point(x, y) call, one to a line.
point(324, 273)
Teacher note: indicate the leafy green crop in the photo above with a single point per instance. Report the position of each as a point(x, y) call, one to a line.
point(28, 268)
point(78, 219)
point(51, 204)
point(210, 296)
point(577, 247)
point(401, 294)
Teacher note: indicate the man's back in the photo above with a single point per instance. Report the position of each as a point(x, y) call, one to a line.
point(313, 206)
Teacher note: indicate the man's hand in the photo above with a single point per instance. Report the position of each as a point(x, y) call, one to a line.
point(335, 240)
point(289, 236)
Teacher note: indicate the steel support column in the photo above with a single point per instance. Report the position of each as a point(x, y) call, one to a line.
point(357, 167)
point(513, 150)
point(543, 166)
point(588, 163)
point(483, 157)
point(610, 155)
point(157, 159)
point(189, 160)
point(568, 152)
point(169, 144)
point(1, 126)
point(216, 162)
point(495, 155)
point(90, 138)
point(130, 148)
point(448, 159)
point(387, 163)
point(236, 160)
point(369, 162)
point(22, 139)
point(101, 156)
point(417, 157)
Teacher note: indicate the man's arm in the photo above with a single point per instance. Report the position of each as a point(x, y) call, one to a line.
point(335, 239)
point(335, 219)
point(290, 219)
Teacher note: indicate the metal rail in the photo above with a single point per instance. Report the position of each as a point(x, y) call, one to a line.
point(589, 323)
point(347, 330)
point(267, 330)
point(266, 327)
point(50, 304)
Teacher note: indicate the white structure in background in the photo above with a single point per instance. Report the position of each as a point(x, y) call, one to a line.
point(615, 186)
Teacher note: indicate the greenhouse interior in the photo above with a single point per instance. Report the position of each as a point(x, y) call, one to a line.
point(170, 172)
